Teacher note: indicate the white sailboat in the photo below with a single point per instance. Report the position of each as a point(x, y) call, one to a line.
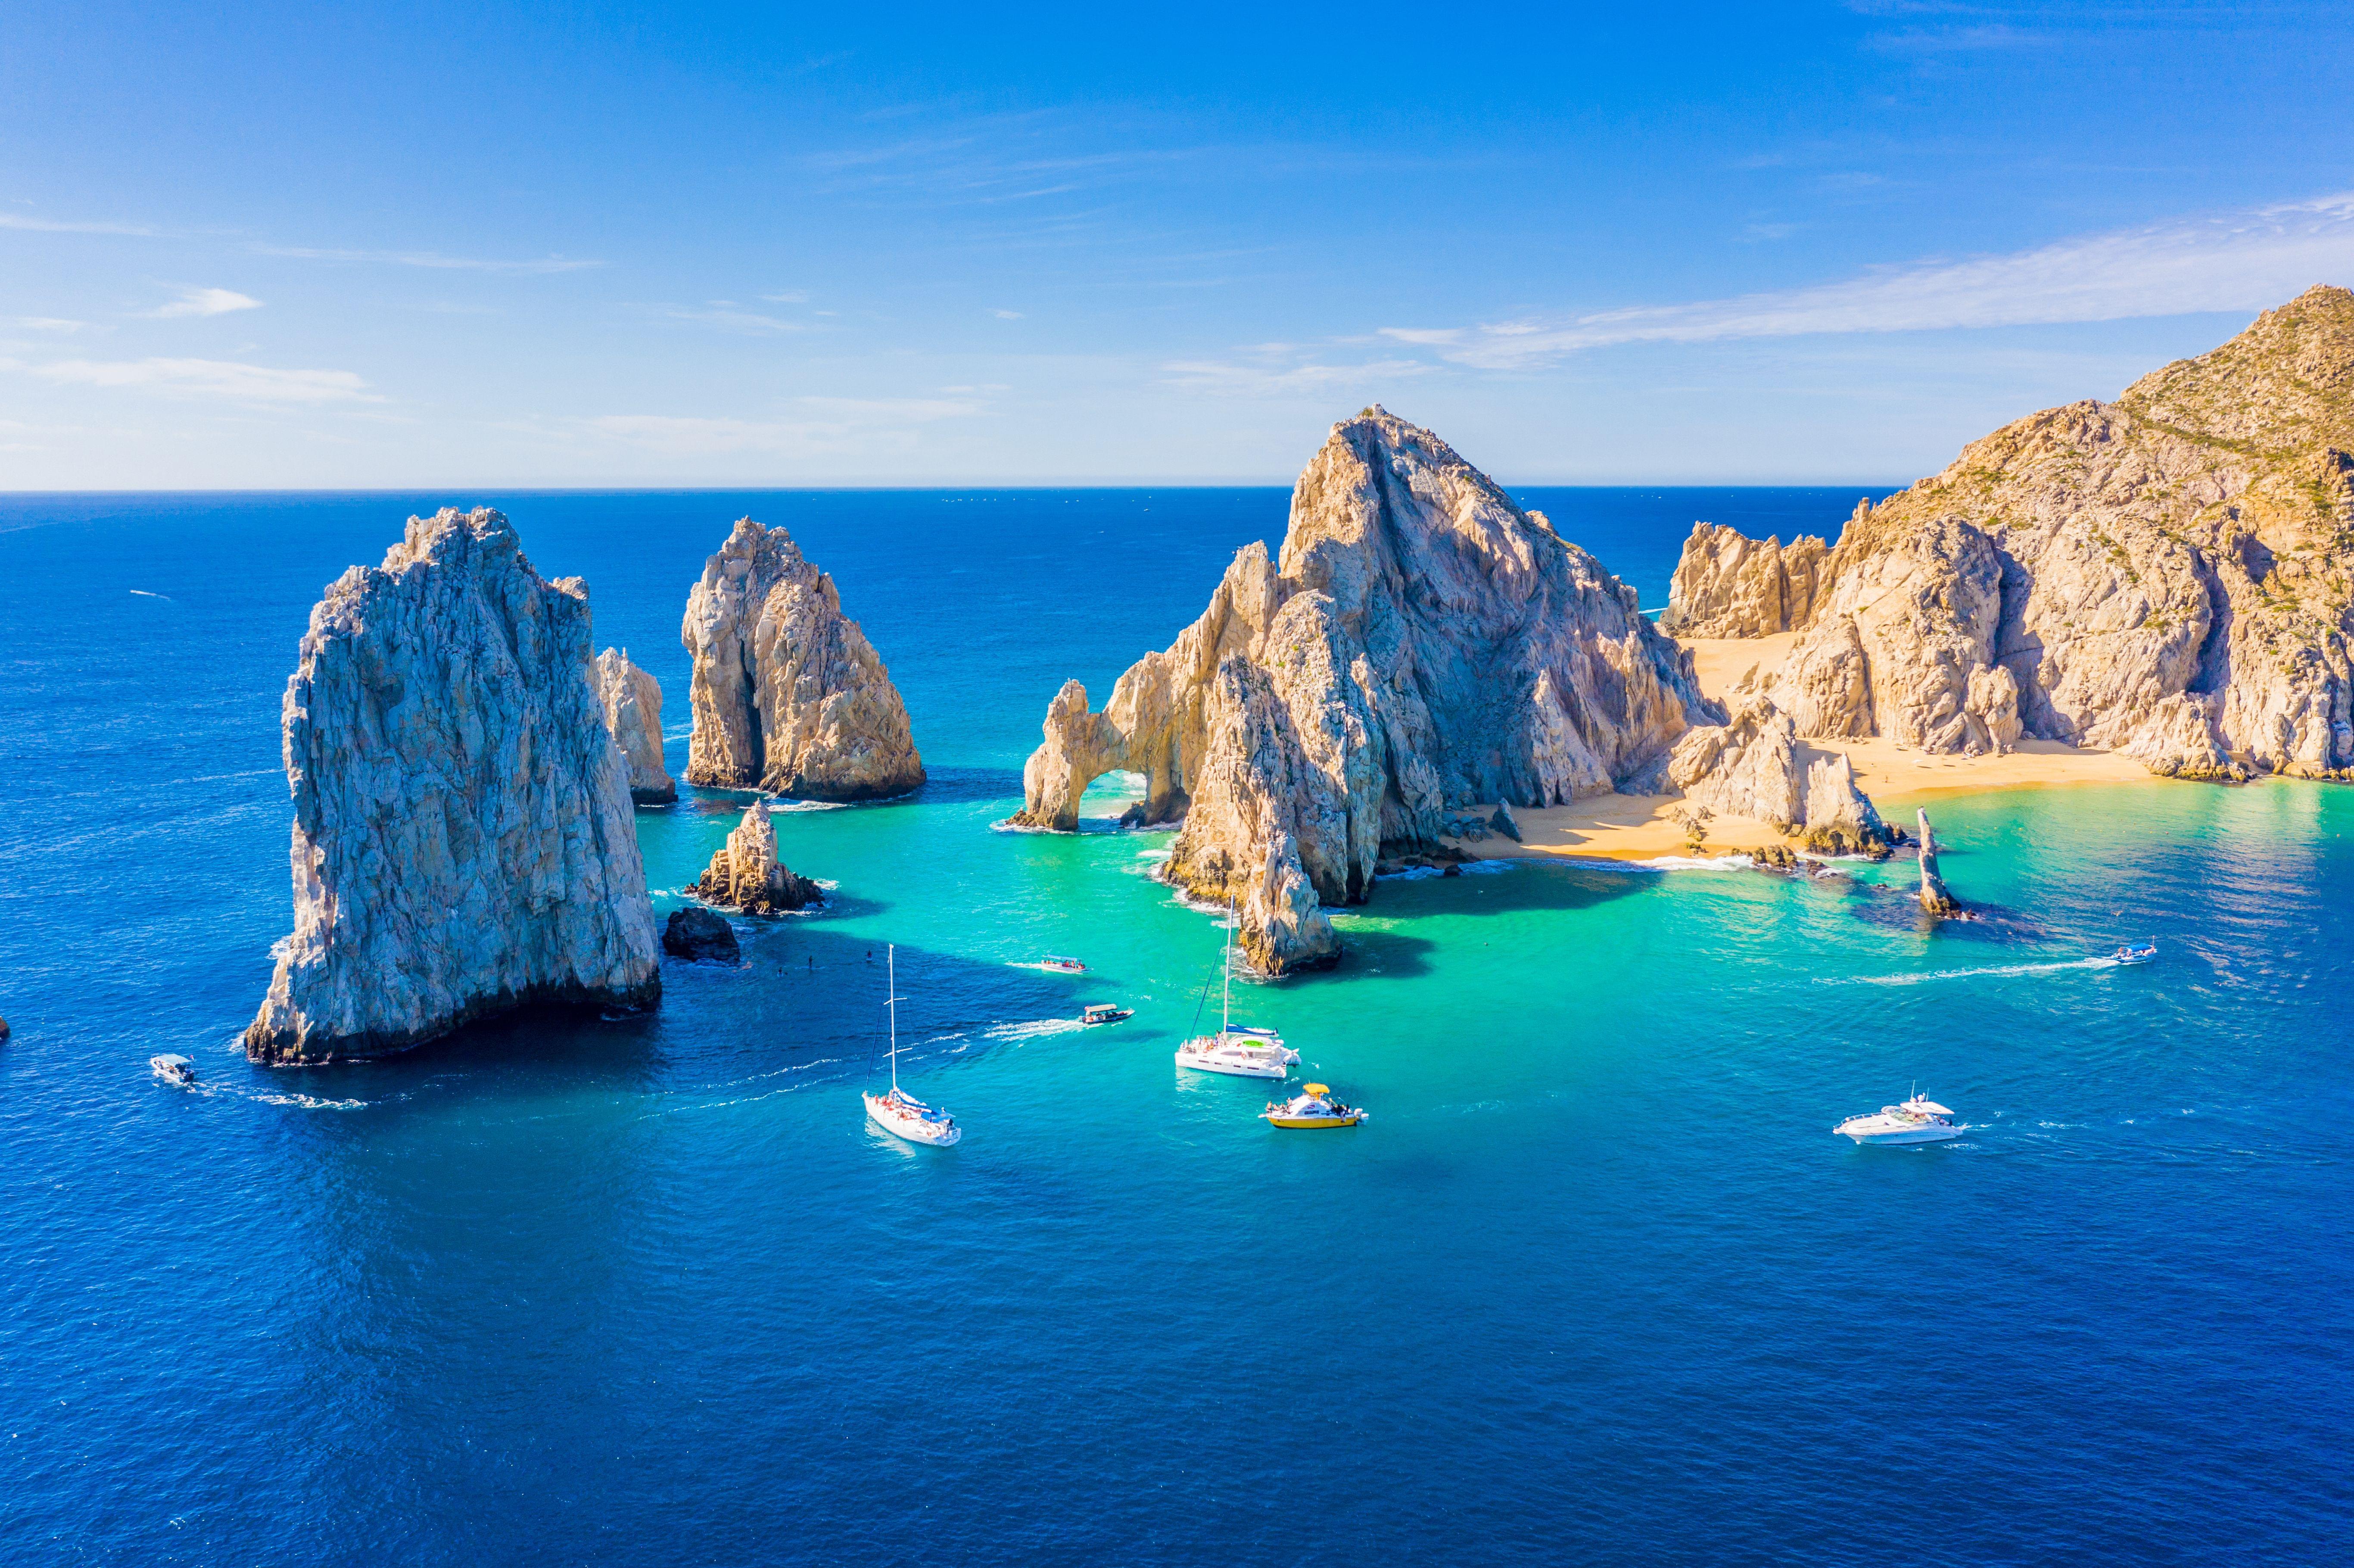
point(899, 1113)
point(1242, 1053)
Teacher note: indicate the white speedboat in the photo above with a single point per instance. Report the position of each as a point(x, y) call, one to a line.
point(174, 1069)
point(1239, 1052)
point(899, 1113)
point(1917, 1120)
point(1317, 1107)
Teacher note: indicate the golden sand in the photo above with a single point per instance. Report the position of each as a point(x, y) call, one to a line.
point(1642, 827)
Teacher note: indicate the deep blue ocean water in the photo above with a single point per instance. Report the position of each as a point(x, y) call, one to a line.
point(1595, 1285)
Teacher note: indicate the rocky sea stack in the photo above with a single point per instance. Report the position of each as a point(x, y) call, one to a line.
point(1423, 644)
point(747, 876)
point(634, 713)
point(464, 841)
point(788, 695)
point(2171, 575)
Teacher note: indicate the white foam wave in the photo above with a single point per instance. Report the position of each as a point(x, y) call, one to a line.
point(777, 805)
point(2053, 967)
point(1692, 862)
point(1037, 1028)
point(143, 593)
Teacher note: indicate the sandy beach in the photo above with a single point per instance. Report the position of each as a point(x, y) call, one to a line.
point(1642, 827)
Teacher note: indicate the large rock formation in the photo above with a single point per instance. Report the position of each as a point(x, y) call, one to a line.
point(745, 873)
point(1754, 765)
point(464, 841)
point(634, 713)
point(788, 695)
point(1935, 900)
point(1422, 643)
point(2171, 575)
point(1728, 584)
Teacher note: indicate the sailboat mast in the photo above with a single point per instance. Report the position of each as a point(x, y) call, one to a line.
point(891, 982)
point(1226, 991)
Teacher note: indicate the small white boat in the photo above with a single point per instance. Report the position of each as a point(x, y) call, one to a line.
point(1063, 966)
point(1238, 1052)
point(1917, 1120)
point(899, 1113)
point(174, 1069)
point(1314, 1107)
point(2131, 955)
point(1105, 1012)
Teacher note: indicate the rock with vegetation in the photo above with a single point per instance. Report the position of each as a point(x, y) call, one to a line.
point(788, 695)
point(634, 713)
point(747, 876)
point(463, 841)
point(1421, 644)
point(696, 934)
point(2171, 575)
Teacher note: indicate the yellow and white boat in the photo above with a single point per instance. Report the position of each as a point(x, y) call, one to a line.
point(1314, 1107)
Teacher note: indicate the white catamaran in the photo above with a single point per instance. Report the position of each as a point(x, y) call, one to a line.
point(898, 1112)
point(1244, 1052)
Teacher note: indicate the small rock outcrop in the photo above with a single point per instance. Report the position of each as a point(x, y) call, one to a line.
point(2170, 575)
point(463, 841)
point(747, 876)
point(1934, 899)
point(1421, 643)
point(634, 713)
point(1727, 585)
point(696, 935)
point(1504, 821)
point(788, 695)
point(1754, 765)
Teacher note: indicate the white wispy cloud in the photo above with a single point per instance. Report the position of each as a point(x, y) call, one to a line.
point(205, 302)
point(1007, 315)
point(430, 258)
point(2235, 261)
point(45, 323)
point(66, 226)
point(230, 380)
point(723, 314)
point(1228, 379)
point(823, 425)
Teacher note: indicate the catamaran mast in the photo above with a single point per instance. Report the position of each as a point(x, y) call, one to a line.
point(1226, 991)
point(891, 1001)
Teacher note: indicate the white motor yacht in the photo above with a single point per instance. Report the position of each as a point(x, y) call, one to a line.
point(1917, 1120)
point(1243, 1052)
point(899, 1113)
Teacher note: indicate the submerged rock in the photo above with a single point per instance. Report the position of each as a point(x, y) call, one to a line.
point(696, 934)
point(634, 713)
point(788, 695)
point(745, 873)
point(1934, 899)
point(2171, 575)
point(1423, 642)
point(463, 841)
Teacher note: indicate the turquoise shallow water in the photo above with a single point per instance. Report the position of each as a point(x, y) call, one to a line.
point(1595, 1284)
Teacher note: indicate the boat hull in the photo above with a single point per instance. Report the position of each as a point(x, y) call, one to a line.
point(1234, 1069)
point(1351, 1120)
point(1898, 1134)
point(913, 1128)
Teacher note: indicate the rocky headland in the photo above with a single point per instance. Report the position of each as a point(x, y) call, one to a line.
point(634, 713)
point(463, 841)
point(747, 876)
point(788, 695)
point(1422, 645)
point(2169, 576)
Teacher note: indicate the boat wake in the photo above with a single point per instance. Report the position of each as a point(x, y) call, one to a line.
point(1989, 969)
point(1037, 1028)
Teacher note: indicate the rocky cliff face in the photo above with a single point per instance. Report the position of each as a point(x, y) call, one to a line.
point(745, 873)
point(2171, 575)
point(1754, 765)
point(788, 695)
point(1422, 643)
point(632, 702)
point(1728, 584)
point(464, 841)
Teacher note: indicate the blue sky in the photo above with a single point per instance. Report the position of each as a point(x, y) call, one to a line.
point(500, 245)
